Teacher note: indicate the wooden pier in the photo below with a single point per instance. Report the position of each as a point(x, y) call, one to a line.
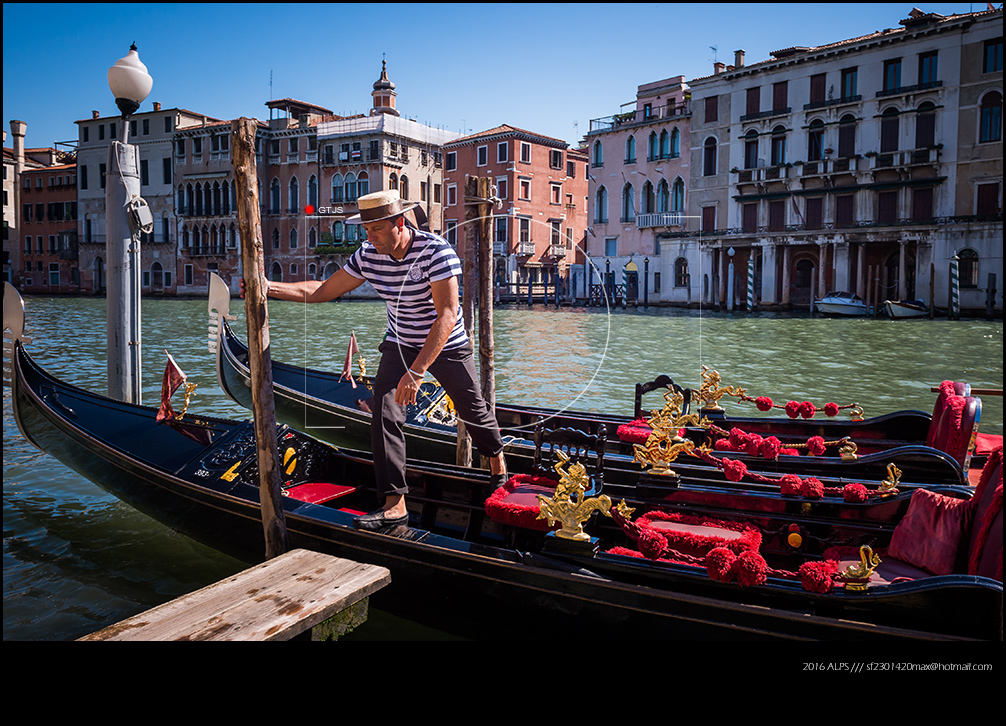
point(280, 599)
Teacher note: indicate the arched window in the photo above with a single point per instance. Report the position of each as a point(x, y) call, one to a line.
point(214, 246)
point(185, 237)
point(889, 130)
point(778, 146)
point(751, 149)
point(847, 137)
point(275, 239)
point(190, 207)
point(678, 199)
point(312, 238)
point(337, 189)
point(199, 200)
point(675, 143)
point(393, 181)
point(208, 193)
point(312, 271)
point(294, 195)
point(601, 206)
point(709, 157)
point(337, 232)
point(630, 150)
point(226, 191)
point(663, 197)
point(204, 241)
point(815, 140)
point(180, 209)
point(363, 184)
point(665, 144)
point(276, 274)
point(274, 197)
point(991, 121)
point(649, 200)
point(968, 267)
point(156, 275)
point(925, 126)
point(293, 239)
point(598, 154)
point(217, 201)
point(403, 188)
point(350, 187)
point(681, 272)
point(312, 191)
point(652, 148)
point(628, 203)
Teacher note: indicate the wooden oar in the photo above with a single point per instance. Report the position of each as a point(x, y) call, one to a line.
point(256, 311)
point(977, 391)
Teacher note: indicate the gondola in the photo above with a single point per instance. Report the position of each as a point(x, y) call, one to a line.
point(656, 573)
point(328, 405)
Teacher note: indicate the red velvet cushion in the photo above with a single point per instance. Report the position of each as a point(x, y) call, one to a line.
point(931, 532)
point(985, 444)
point(516, 502)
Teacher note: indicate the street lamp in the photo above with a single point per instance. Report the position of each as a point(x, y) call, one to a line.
point(127, 216)
point(130, 82)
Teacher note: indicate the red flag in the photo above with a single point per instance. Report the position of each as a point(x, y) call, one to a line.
point(347, 369)
point(173, 378)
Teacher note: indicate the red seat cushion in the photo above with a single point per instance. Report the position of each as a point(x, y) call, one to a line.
point(697, 536)
point(985, 444)
point(931, 532)
point(317, 492)
point(516, 502)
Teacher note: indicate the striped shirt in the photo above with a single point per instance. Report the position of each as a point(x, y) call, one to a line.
point(405, 286)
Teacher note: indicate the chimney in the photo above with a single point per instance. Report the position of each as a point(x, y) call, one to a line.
point(738, 59)
point(95, 114)
point(18, 130)
point(157, 105)
point(718, 67)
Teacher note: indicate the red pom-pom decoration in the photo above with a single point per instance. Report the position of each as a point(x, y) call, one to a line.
point(753, 444)
point(789, 485)
point(855, 493)
point(793, 409)
point(770, 447)
point(750, 569)
point(807, 409)
point(734, 470)
point(719, 564)
point(831, 409)
point(812, 488)
point(815, 445)
point(764, 403)
point(816, 576)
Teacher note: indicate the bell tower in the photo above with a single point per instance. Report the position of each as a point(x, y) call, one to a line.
point(384, 94)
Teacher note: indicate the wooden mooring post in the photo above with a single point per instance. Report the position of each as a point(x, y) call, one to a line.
point(280, 599)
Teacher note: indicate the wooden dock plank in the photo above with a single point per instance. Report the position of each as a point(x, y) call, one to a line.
point(276, 600)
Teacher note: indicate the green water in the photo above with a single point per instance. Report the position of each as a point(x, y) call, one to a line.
point(77, 560)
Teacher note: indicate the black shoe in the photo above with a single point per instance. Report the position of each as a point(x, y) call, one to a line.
point(498, 480)
point(376, 521)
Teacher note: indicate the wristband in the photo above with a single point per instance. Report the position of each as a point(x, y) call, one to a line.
point(417, 375)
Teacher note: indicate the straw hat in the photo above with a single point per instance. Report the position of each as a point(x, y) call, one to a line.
point(379, 205)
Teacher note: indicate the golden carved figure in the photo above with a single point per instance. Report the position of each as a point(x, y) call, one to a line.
point(710, 392)
point(868, 562)
point(664, 445)
point(568, 506)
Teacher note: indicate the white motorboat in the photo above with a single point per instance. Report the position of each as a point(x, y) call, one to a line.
point(841, 303)
point(903, 309)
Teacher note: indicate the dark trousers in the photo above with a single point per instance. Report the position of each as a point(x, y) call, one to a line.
point(455, 371)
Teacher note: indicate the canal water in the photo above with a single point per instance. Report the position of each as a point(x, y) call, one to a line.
point(76, 559)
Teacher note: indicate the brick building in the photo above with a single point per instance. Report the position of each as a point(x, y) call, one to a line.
point(542, 184)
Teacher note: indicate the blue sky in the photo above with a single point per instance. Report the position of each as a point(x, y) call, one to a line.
point(546, 67)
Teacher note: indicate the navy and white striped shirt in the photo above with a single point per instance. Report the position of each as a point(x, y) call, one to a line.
point(405, 286)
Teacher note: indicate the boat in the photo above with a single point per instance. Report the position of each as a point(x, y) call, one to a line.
point(586, 564)
point(327, 405)
point(906, 309)
point(843, 304)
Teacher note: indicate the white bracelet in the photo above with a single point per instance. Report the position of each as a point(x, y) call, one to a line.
point(417, 375)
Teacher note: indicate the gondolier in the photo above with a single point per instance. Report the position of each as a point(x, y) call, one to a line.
point(416, 273)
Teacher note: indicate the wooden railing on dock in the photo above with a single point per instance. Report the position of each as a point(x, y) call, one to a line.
point(279, 599)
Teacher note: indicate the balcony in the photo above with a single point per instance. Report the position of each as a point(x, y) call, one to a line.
point(499, 248)
point(660, 219)
point(911, 157)
point(766, 114)
point(525, 249)
point(638, 117)
point(557, 251)
point(761, 174)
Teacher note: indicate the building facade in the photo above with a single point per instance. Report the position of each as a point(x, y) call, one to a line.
point(538, 232)
point(864, 165)
point(639, 166)
point(48, 228)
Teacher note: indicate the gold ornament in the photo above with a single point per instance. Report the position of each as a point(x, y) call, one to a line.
point(710, 392)
point(868, 562)
point(568, 506)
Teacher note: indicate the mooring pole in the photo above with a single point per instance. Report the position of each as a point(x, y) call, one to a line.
point(257, 313)
point(484, 245)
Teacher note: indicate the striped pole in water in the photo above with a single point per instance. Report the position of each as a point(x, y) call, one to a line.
point(955, 288)
point(751, 280)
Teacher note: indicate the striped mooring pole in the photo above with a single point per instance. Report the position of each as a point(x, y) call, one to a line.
point(751, 280)
point(955, 288)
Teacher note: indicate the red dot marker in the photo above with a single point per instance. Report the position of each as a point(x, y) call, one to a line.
point(309, 209)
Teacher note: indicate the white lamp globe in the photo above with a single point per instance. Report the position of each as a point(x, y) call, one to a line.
point(129, 81)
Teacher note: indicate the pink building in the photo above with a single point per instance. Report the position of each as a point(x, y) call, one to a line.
point(542, 184)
